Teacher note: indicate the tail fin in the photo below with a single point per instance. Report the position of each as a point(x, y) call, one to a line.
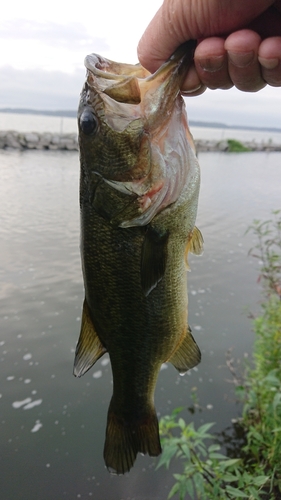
point(124, 439)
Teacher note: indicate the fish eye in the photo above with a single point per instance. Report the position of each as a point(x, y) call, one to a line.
point(88, 122)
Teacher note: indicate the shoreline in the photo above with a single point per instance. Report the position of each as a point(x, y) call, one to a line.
point(48, 141)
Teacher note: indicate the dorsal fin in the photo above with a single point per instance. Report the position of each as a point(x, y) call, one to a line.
point(126, 91)
point(89, 348)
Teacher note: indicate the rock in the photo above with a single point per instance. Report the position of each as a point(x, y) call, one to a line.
point(11, 141)
point(222, 146)
point(31, 138)
point(55, 139)
point(2, 139)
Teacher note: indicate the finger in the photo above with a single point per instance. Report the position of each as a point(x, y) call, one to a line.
point(194, 93)
point(268, 24)
point(192, 85)
point(212, 64)
point(162, 36)
point(243, 65)
point(269, 57)
point(178, 21)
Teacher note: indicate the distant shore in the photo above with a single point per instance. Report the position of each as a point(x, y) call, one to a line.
point(70, 113)
point(21, 141)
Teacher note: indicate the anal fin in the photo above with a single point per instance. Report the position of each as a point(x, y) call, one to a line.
point(89, 347)
point(187, 355)
point(153, 259)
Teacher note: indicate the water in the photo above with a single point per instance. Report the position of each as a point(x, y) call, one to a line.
point(40, 123)
point(37, 123)
point(53, 425)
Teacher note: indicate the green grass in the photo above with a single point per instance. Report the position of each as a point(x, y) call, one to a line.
point(236, 146)
point(255, 472)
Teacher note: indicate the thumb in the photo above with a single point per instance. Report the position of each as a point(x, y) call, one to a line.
point(163, 35)
point(178, 21)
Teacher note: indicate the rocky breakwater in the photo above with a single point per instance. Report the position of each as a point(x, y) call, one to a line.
point(69, 142)
point(34, 140)
point(234, 146)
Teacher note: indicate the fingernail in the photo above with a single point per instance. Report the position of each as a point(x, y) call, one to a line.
point(241, 59)
point(190, 91)
point(211, 64)
point(269, 63)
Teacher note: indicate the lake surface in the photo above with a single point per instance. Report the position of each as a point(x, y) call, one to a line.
point(52, 425)
point(43, 123)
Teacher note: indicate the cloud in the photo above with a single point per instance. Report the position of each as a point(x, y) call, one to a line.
point(71, 35)
point(38, 89)
point(233, 107)
point(51, 90)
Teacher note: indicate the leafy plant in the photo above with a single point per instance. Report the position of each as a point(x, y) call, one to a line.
point(236, 146)
point(255, 473)
point(207, 473)
point(261, 416)
point(268, 251)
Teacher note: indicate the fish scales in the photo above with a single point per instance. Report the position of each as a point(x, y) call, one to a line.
point(139, 189)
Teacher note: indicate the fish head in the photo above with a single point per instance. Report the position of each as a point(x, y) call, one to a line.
point(133, 130)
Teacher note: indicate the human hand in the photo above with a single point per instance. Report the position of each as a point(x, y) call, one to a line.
point(239, 42)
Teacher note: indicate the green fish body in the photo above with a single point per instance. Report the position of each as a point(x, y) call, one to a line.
point(139, 188)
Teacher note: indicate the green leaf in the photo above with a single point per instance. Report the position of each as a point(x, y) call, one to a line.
point(199, 483)
point(190, 488)
point(236, 492)
point(229, 478)
point(178, 477)
point(214, 447)
point(277, 400)
point(182, 424)
point(216, 456)
point(176, 411)
point(260, 480)
point(186, 451)
point(168, 453)
point(230, 462)
point(204, 428)
point(174, 490)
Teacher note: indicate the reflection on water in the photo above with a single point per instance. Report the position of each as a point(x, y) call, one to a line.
point(53, 425)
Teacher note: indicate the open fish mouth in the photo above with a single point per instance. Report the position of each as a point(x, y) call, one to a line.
point(150, 108)
point(119, 81)
point(128, 83)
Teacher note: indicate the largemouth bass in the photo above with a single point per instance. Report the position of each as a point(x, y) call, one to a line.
point(139, 189)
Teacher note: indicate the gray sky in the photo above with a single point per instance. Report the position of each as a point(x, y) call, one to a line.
point(42, 49)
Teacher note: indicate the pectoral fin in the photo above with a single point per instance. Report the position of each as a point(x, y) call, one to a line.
point(196, 242)
point(188, 354)
point(153, 259)
point(89, 348)
point(194, 245)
